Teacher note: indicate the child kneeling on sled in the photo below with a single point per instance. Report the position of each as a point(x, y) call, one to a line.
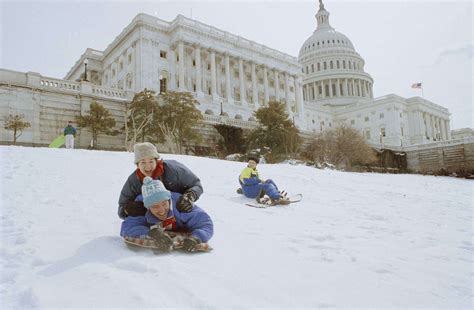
point(162, 215)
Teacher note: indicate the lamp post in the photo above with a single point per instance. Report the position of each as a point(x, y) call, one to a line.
point(222, 112)
point(86, 61)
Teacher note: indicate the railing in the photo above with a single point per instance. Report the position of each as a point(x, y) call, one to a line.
point(217, 119)
point(102, 91)
point(60, 84)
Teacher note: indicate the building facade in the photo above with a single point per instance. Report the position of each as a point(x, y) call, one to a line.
point(231, 77)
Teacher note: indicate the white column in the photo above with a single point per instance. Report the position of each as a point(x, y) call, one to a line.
point(346, 88)
point(330, 88)
point(276, 84)
point(359, 87)
point(299, 101)
point(443, 129)
point(242, 81)
point(197, 56)
point(448, 129)
point(265, 85)
point(254, 87)
point(338, 88)
point(227, 80)
point(213, 76)
point(287, 87)
point(323, 88)
point(181, 66)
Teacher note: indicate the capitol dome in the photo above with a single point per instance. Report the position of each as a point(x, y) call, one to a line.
point(333, 70)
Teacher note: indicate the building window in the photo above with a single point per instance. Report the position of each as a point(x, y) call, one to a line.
point(319, 66)
point(337, 64)
point(366, 118)
point(113, 72)
point(177, 58)
point(223, 70)
point(350, 66)
point(194, 87)
point(129, 58)
point(121, 65)
point(208, 67)
point(312, 67)
point(367, 134)
point(401, 129)
point(381, 115)
point(307, 71)
point(343, 64)
point(325, 66)
point(331, 65)
point(194, 63)
point(382, 132)
point(352, 122)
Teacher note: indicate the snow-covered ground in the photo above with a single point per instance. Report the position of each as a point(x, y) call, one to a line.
point(356, 240)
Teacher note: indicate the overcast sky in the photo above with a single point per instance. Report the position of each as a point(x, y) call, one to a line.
point(402, 42)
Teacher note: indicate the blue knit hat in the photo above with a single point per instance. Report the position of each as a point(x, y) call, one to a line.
point(153, 192)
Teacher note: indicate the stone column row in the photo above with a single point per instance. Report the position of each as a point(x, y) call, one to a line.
point(435, 127)
point(343, 88)
point(228, 77)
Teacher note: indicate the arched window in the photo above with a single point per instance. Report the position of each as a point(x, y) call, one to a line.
point(343, 64)
point(350, 66)
point(325, 66)
point(312, 67)
point(337, 64)
point(331, 65)
point(319, 66)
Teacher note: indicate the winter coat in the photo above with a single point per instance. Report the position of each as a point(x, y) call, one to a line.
point(69, 130)
point(176, 177)
point(252, 185)
point(197, 222)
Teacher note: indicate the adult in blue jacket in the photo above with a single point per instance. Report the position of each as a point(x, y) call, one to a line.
point(254, 187)
point(163, 215)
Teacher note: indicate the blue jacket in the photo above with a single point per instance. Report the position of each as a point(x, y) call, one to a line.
point(197, 222)
point(250, 180)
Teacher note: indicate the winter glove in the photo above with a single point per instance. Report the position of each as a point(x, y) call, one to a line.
point(163, 242)
point(135, 208)
point(189, 244)
point(185, 202)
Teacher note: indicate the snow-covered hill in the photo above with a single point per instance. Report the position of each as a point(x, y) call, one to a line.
point(356, 240)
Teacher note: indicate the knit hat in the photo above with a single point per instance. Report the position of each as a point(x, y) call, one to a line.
point(153, 191)
point(253, 157)
point(144, 150)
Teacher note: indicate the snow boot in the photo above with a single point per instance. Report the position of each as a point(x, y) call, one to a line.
point(239, 191)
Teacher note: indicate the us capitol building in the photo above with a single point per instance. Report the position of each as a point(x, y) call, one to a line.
point(231, 78)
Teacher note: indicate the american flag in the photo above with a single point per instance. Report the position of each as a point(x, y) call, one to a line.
point(416, 85)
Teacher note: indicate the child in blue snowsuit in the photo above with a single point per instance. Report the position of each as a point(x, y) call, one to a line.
point(254, 187)
point(162, 215)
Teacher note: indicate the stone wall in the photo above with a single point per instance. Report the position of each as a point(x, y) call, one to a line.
point(449, 156)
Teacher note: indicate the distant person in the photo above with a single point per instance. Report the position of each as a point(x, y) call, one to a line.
point(162, 215)
point(175, 176)
point(265, 191)
point(70, 134)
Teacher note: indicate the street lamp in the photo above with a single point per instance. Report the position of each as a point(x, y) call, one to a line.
point(222, 112)
point(86, 61)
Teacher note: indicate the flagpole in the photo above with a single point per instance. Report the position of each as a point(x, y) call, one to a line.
point(422, 92)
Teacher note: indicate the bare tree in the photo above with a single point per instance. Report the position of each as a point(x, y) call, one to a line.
point(170, 138)
point(343, 147)
point(134, 126)
point(17, 124)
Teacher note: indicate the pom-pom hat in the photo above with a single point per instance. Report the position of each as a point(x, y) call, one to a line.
point(153, 192)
